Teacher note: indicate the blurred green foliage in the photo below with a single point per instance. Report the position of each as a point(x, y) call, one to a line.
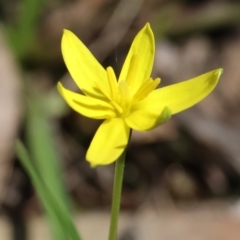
point(42, 161)
point(22, 34)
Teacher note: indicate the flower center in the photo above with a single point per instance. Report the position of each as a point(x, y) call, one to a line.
point(123, 94)
point(124, 99)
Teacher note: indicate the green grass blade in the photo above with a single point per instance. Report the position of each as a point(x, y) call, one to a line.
point(42, 149)
point(60, 219)
point(23, 33)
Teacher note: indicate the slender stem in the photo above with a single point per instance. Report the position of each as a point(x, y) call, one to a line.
point(116, 200)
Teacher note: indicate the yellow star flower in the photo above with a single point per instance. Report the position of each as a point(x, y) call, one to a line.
point(132, 101)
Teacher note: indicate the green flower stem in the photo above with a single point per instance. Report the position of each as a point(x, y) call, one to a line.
point(116, 200)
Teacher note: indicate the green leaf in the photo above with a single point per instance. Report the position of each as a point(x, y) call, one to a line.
point(63, 227)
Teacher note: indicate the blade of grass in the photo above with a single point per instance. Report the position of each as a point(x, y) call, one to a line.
point(56, 211)
point(44, 168)
point(42, 148)
point(22, 34)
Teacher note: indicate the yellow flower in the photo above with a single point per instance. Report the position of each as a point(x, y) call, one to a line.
point(132, 101)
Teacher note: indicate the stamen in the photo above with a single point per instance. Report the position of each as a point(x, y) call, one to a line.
point(112, 80)
point(123, 89)
point(146, 88)
point(117, 107)
point(123, 94)
point(103, 89)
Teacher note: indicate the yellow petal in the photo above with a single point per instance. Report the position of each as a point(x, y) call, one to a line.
point(139, 61)
point(161, 103)
point(144, 117)
point(183, 95)
point(87, 106)
point(109, 142)
point(82, 65)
